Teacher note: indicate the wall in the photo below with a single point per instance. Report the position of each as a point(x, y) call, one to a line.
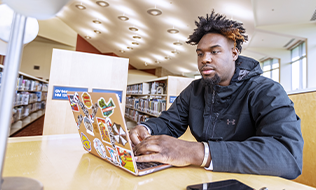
point(39, 52)
point(136, 76)
point(305, 107)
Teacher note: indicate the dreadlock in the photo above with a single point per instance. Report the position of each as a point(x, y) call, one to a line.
point(216, 23)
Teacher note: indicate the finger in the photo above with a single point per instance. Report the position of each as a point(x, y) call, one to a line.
point(155, 157)
point(144, 148)
point(134, 137)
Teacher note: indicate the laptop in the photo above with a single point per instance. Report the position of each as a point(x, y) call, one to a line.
point(103, 132)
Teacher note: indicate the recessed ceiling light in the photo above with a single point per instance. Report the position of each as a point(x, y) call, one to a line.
point(123, 18)
point(134, 29)
point(135, 43)
point(122, 51)
point(178, 43)
point(146, 64)
point(87, 37)
point(167, 57)
point(102, 3)
point(96, 21)
point(173, 31)
point(175, 51)
point(97, 31)
point(137, 37)
point(157, 62)
point(130, 48)
point(154, 12)
point(81, 6)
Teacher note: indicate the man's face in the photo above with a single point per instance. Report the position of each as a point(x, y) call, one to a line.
point(216, 58)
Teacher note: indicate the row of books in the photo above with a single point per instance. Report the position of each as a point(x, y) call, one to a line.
point(25, 98)
point(30, 85)
point(136, 115)
point(157, 87)
point(24, 111)
point(152, 106)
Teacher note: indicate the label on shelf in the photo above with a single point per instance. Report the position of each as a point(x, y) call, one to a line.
point(60, 92)
point(172, 99)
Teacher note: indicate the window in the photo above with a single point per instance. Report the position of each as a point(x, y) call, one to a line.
point(271, 69)
point(298, 61)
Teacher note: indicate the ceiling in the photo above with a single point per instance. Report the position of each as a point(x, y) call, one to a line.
point(156, 43)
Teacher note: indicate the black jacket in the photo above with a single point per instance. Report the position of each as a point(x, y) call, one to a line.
point(250, 125)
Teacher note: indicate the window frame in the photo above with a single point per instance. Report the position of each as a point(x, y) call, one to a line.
point(271, 67)
point(300, 45)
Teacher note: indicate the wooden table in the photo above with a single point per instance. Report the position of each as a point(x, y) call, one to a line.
point(60, 162)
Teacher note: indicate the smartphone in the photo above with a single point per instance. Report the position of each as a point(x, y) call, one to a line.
point(230, 184)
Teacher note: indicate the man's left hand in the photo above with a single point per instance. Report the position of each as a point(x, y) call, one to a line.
point(169, 150)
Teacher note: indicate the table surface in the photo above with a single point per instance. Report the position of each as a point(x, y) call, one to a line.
point(60, 162)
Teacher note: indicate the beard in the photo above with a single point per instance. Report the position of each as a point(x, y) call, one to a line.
point(211, 81)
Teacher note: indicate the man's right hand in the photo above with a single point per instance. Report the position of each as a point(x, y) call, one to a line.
point(138, 133)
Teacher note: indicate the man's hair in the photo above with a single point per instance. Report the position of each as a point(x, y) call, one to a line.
point(217, 23)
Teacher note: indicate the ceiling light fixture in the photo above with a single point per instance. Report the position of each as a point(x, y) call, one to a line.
point(87, 37)
point(175, 51)
point(157, 62)
point(80, 6)
point(122, 51)
point(137, 37)
point(102, 3)
point(154, 11)
point(134, 29)
point(130, 48)
point(96, 21)
point(135, 43)
point(173, 31)
point(97, 31)
point(146, 64)
point(178, 43)
point(123, 18)
point(167, 58)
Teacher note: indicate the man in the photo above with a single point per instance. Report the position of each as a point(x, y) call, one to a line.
point(246, 122)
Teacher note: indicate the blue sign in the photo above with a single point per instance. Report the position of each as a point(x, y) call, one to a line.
point(172, 99)
point(60, 92)
point(118, 92)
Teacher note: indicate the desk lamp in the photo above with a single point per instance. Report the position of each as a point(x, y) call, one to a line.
point(43, 9)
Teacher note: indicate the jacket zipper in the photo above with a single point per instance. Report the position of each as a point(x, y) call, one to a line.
point(217, 114)
point(210, 117)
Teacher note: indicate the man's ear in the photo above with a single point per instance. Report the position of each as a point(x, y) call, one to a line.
point(235, 53)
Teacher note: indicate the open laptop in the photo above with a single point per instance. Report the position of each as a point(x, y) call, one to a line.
point(102, 129)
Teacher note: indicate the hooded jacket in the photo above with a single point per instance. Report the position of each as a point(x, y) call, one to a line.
point(250, 126)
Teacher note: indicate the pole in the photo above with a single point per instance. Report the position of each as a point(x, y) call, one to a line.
point(8, 87)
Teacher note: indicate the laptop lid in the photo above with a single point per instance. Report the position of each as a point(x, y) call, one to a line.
point(101, 126)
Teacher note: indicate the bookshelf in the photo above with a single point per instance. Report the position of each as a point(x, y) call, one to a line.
point(149, 98)
point(30, 100)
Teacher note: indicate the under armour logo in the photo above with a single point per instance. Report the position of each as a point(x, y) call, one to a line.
point(231, 122)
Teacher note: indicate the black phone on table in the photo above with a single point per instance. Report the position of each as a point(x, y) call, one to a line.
point(230, 184)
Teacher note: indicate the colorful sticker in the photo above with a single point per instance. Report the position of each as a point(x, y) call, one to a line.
point(104, 131)
point(119, 134)
point(86, 99)
point(80, 119)
point(113, 155)
point(95, 108)
point(87, 123)
point(107, 108)
point(99, 148)
point(84, 109)
point(125, 158)
point(73, 104)
point(86, 142)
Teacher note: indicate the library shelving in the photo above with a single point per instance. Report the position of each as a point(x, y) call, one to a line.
point(149, 98)
point(29, 102)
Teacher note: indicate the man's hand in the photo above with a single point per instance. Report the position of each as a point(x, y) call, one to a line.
point(138, 133)
point(169, 150)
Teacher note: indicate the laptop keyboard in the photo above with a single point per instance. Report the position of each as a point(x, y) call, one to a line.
point(145, 165)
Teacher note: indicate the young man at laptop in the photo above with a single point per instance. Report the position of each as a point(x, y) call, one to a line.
point(243, 122)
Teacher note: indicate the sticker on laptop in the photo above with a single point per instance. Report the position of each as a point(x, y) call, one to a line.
point(85, 142)
point(86, 99)
point(95, 108)
point(84, 109)
point(125, 158)
point(103, 128)
point(113, 155)
point(99, 148)
point(73, 104)
point(80, 119)
point(88, 124)
point(106, 108)
point(119, 134)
